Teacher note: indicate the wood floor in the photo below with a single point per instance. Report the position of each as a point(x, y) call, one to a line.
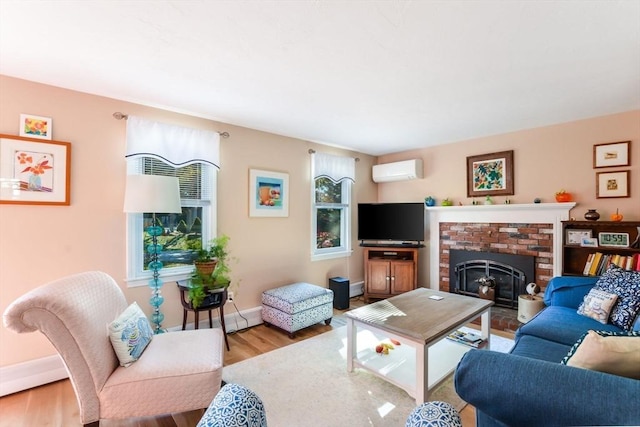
point(55, 404)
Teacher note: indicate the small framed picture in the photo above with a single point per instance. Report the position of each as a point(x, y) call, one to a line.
point(35, 126)
point(34, 172)
point(611, 154)
point(614, 239)
point(575, 236)
point(590, 242)
point(612, 184)
point(268, 193)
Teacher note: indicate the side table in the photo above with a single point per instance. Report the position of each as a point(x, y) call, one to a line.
point(215, 299)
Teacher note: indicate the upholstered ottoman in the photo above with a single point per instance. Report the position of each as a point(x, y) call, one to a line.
point(294, 307)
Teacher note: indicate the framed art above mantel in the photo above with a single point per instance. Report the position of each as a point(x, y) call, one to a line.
point(34, 172)
point(490, 174)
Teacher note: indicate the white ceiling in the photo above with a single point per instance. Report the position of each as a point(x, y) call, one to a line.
point(374, 76)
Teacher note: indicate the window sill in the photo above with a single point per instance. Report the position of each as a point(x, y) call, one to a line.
point(136, 282)
point(331, 255)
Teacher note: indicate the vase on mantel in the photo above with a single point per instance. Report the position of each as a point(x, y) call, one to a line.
point(592, 215)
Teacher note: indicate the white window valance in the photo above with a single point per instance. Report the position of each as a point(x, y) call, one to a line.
point(178, 146)
point(336, 168)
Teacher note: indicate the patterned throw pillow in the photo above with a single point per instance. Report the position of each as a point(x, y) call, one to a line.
point(130, 334)
point(597, 305)
point(615, 353)
point(625, 284)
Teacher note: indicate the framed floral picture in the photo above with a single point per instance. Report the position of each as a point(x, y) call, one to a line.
point(34, 172)
point(490, 174)
point(268, 194)
point(35, 126)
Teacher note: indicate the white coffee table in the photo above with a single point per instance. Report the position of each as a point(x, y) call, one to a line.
point(424, 358)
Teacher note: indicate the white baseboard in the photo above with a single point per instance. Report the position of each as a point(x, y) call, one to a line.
point(22, 376)
point(234, 321)
point(34, 373)
point(356, 289)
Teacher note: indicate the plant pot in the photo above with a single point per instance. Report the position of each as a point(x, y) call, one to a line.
point(490, 294)
point(205, 268)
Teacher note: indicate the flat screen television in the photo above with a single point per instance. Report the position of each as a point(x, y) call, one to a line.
point(396, 222)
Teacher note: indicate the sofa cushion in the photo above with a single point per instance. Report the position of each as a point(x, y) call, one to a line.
point(568, 291)
point(625, 284)
point(539, 348)
point(130, 334)
point(562, 325)
point(597, 305)
point(614, 353)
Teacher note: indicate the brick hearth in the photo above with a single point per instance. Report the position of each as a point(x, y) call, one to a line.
point(503, 319)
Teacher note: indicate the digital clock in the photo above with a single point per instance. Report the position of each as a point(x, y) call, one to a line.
point(614, 239)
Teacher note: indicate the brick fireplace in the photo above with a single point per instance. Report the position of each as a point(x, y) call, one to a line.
point(519, 229)
point(504, 238)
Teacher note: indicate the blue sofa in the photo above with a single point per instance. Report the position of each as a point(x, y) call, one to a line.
point(529, 386)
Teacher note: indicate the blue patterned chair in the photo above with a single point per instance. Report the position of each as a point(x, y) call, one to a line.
point(434, 414)
point(234, 406)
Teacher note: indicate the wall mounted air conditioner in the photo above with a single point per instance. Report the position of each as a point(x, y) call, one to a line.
point(398, 171)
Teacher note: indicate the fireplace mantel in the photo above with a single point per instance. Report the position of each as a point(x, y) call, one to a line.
point(533, 213)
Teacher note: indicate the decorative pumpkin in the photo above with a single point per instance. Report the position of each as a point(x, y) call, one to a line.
point(616, 216)
point(447, 202)
point(562, 196)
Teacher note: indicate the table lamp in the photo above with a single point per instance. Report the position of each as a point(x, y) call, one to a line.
point(153, 194)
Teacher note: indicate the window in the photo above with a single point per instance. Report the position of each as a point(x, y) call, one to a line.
point(191, 155)
point(183, 233)
point(331, 195)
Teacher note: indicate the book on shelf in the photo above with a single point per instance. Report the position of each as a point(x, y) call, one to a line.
point(597, 259)
point(587, 264)
point(597, 263)
point(467, 338)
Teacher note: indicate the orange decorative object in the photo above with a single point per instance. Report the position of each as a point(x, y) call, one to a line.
point(563, 197)
point(616, 216)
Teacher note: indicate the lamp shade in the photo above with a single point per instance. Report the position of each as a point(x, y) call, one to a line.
point(152, 194)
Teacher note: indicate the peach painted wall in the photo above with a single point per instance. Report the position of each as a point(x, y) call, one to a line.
point(39, 243)
point(546, 159)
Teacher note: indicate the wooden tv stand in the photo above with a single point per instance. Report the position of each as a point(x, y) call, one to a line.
point(389, 271)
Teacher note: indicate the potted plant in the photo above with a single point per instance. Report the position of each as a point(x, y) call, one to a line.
point(214, 277)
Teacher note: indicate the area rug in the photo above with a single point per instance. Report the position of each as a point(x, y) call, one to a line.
point(307, 384)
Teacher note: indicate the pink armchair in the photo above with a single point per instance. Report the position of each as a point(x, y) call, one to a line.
point(178, 371)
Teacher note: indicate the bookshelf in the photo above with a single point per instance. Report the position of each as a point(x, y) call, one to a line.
point(575, 256)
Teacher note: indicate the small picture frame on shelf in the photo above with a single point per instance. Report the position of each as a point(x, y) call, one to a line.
point(575, 236)
point(620, 240)
point(589, 242)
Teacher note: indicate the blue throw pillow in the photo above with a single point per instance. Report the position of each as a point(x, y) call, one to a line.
point(625, 284)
